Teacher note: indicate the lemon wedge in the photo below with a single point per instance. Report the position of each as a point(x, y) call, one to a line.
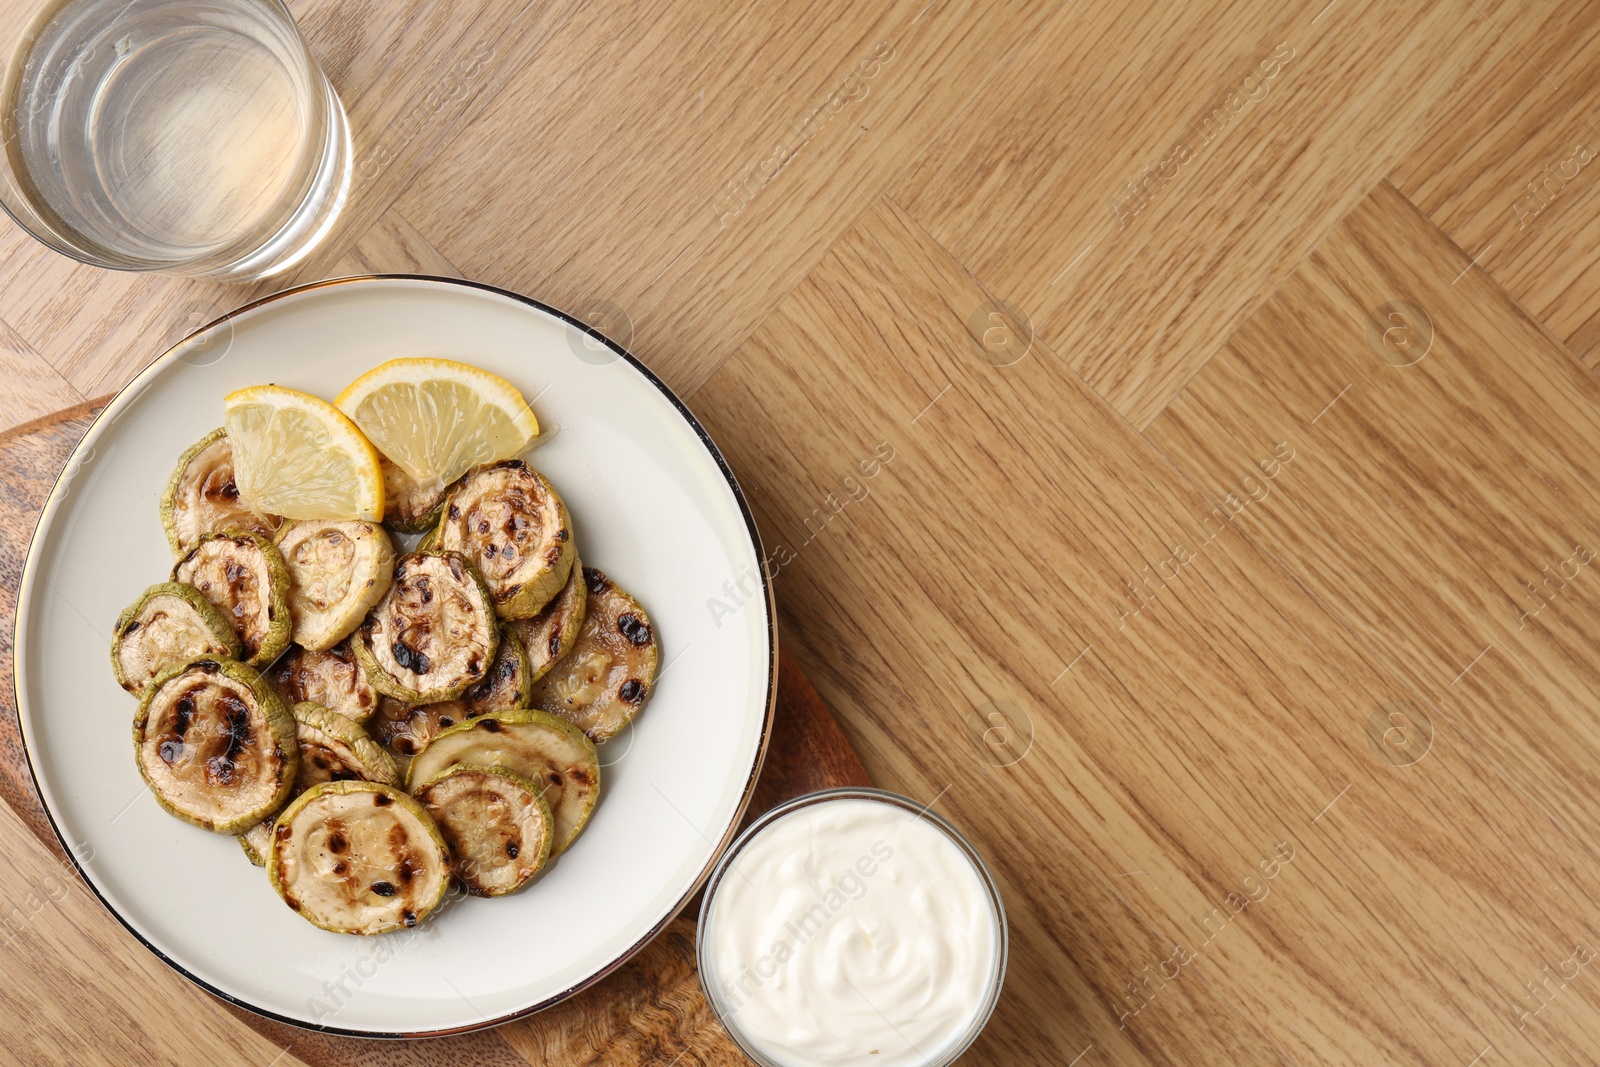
point(436, 419)
point(297, 456)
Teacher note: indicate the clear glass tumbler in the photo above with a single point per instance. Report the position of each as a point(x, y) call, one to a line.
point(196, 137)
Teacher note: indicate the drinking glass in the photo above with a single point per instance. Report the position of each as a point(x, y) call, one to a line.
point(196, 137)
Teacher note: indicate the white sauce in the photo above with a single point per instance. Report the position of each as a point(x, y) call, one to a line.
point(852, 931)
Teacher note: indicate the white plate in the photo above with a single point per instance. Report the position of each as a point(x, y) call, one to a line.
point(653, 505)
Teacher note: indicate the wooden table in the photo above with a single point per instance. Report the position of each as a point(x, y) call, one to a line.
point(1174, 428)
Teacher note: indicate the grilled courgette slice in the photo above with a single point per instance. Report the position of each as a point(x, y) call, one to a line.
point(337, 572)
point(542, 748)
point(202, 497)
point(551, 634)
point(510, 523)
point(331, 678)
point(169, 624)
point(332, 749)
point(409, 506)
point(603, 682)
point(215, 744)
point(406, 729)
point(433, 635)
point(244, 577)
point(508, 684)
point(256, 842)
point(496, 824)
point(358, 858)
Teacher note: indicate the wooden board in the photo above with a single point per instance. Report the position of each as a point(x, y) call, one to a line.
point(652, 1007)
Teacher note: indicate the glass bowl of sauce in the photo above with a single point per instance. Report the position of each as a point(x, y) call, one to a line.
point(852, 926)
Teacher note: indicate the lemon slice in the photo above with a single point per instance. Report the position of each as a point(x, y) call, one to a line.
point(297, 456)
point(436, 418)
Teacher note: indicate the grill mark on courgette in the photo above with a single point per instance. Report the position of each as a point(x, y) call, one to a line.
point(413, 660)
point(175, 743)
point(503, 673)
point(185, 709)
point(635, 629)
point(221, 770)
point(329, 763)
point(401, 848)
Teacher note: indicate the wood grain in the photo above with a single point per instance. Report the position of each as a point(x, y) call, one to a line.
point(34, 387)
point(393, 246)
point(1197, 700)
point(1507, 173)
point(709, 169)
point(1266, 121)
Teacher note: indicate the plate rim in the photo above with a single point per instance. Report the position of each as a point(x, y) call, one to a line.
point(157, 366)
